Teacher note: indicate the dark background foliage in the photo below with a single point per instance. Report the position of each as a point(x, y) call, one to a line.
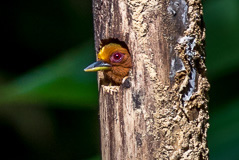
point(49, 106)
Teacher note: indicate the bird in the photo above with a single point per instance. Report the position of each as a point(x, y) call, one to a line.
point(115, 62)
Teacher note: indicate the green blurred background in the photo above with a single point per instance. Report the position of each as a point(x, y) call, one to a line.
point(49, 106)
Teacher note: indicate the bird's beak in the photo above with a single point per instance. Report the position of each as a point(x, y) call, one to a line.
point(98, 66)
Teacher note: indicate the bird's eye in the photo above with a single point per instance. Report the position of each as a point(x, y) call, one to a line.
point(116, 57)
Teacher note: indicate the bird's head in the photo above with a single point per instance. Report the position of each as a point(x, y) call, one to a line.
point(114, 60)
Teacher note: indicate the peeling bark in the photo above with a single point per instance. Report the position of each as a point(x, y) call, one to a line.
point(164, 113)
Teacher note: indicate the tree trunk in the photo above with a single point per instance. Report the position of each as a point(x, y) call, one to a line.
point(164, 114)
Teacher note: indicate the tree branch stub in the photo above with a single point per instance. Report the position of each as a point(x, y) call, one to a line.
point(163, 114)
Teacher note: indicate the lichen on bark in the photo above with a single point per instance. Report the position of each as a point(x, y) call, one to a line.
point(186, 121)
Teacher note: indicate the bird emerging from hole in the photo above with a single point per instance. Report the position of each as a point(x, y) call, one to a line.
point(115, 62)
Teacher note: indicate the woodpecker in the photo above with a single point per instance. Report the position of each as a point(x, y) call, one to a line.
point(115, 62)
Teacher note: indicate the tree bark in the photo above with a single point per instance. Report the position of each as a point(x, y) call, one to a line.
point(164, 114)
